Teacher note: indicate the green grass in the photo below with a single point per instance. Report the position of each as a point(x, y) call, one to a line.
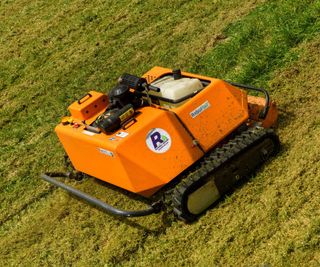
point(52, 52)
point(261, 42)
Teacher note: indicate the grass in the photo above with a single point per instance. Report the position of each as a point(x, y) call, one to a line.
point(261, 42)
point(52, 52)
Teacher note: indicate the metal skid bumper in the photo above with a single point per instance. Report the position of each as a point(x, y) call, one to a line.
point(51, 178)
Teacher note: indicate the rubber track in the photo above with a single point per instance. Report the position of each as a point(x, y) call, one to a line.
point(212, 162)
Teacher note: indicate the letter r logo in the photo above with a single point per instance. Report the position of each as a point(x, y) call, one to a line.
point(156, 139)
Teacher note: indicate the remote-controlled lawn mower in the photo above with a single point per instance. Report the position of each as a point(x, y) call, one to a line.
point(168, 133)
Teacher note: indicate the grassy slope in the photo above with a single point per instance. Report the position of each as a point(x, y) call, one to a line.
point(53, 51)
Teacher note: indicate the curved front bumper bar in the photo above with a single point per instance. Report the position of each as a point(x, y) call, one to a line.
point(51, 178)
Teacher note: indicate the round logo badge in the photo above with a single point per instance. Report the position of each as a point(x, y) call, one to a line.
point(158, 140)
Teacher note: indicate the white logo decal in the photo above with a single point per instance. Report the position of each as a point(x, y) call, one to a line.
point(158, 140)
point(200, 109)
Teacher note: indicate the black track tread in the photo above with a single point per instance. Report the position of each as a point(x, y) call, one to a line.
point(212, 161)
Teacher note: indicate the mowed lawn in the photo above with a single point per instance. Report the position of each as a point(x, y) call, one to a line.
point(52, 52)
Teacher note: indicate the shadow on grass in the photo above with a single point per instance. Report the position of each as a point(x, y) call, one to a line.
point(166, 217)
point(285, 118)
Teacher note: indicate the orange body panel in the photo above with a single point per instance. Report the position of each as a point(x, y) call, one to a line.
point(123, 158)
point(222, 109)
point(214, 113)
point(256, 105)
point(161, 143)
point(89, 106)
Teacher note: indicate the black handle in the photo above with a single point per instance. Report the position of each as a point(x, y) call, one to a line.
point(264, 112)
point(127, 122)
point(87, 94)
point(153, 88)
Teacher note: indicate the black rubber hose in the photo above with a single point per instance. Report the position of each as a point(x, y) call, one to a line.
point(264, 112)
point(154, 208)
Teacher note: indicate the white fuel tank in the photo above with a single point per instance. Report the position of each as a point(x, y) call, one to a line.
point(175, 89)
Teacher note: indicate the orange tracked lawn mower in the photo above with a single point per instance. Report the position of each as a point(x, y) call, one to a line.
point(176, 138)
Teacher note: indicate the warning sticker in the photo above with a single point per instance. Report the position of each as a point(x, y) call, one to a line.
point(122, 134)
